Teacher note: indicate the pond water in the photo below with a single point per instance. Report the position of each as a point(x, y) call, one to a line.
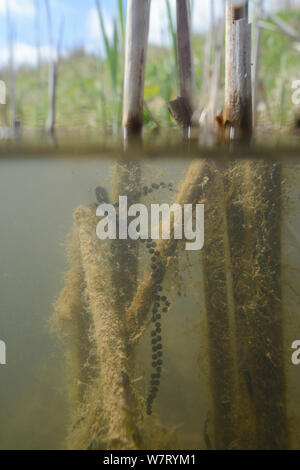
point(228, 314)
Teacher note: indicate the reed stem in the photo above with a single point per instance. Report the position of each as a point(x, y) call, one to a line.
point(137, 28)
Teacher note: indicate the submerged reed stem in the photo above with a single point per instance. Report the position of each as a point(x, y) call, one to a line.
point(110, 337)
point(137, 312)
point(72, 320)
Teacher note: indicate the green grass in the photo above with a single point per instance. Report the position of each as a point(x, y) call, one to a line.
point(280, 65)
point(114, 49)
point(89, 93)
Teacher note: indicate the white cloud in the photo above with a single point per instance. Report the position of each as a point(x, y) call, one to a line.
point(24, 54)
point(93, 24)
point(159, 23)
point(24, 8)
point(201, 16)
point(159, 33)
point(159, 26)
point(95, 41)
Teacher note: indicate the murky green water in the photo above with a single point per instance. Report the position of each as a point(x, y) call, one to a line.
point(215, 299)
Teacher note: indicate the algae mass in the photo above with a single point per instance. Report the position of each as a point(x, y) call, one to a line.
point(130, 311)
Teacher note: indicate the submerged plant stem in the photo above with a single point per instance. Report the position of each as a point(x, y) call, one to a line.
point(137, 313)
point(110, 336)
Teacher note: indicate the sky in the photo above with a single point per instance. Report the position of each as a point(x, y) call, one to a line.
point(81, 25)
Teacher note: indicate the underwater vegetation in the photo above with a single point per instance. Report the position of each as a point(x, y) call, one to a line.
point(118, 316)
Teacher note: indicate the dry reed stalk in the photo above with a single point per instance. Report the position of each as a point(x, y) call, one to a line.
point(137, 312)
point(53, 72)
point(180, 112)
point(15, 123)
point(208, 48)
point(256, 59)
point(186, 70)
point(137, 27)
point(183, 107)
point(110, 337)
point(238, 86)
point(216, 76)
